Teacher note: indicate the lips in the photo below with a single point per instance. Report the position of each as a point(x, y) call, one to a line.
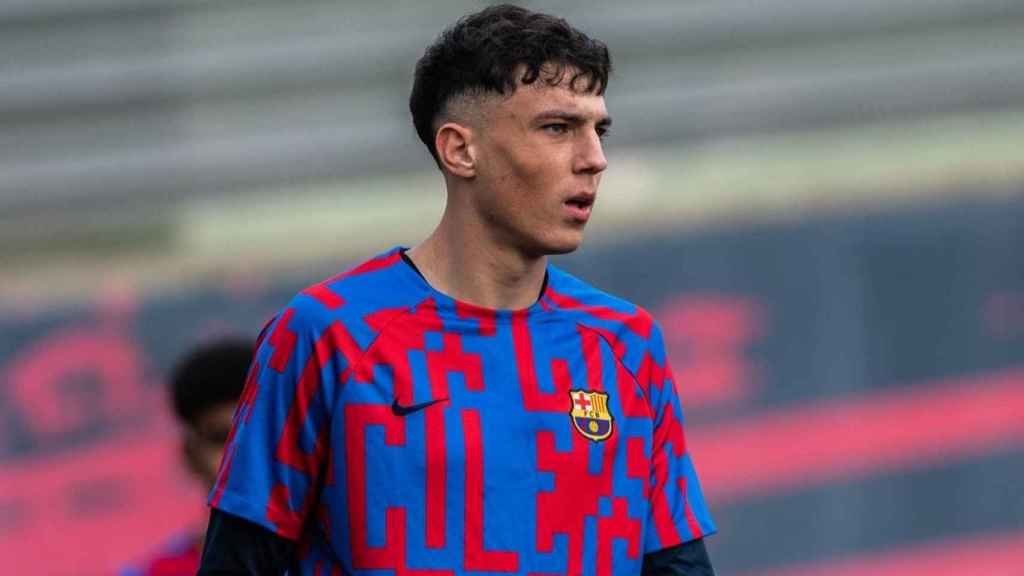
point(579, 205)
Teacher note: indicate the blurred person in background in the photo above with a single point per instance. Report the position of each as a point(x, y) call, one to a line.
point(357, 449)
point(204, 391)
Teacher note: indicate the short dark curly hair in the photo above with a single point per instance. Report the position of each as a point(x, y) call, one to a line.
point(211, 374)
point(484, 52)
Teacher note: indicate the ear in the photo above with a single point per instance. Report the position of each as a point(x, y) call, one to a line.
point(455, 149)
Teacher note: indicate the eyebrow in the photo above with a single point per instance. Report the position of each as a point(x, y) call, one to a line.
point(572, 118)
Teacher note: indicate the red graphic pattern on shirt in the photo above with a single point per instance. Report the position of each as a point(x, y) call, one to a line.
point(638, 465)
point(401, 334)
point(379, 263)
point(691, 518)
point(668, 431)
point(392, 555)
point(289, 450)
point(439, 364)
point(573, 482)
point(640, 322)
point(243, 411)
point(577, 492)
point(576, 495)
point(592, 358)
point(618, 525)
point(323, 294)
point(283, 339)
point(475, 557)
point(533, 399)
point(487, 319)
point(391, 350)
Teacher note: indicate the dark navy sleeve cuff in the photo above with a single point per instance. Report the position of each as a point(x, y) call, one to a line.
point(237, 547)
point(687, 559)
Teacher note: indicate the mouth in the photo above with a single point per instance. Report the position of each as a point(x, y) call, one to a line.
point(579, 205)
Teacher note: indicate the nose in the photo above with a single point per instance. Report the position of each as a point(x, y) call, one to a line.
point(590, 157)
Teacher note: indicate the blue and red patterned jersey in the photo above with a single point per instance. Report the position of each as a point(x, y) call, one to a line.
point(390, 429)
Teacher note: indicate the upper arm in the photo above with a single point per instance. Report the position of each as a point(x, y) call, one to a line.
point(275, 458)
point(678, 512)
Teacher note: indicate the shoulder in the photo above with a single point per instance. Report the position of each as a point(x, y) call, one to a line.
point(633, 335)
point(378, 287)
point(570, 293)
point(629, 327)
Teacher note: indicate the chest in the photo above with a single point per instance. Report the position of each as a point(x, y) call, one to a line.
point(507, 402)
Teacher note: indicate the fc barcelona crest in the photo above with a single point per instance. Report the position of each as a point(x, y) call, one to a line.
point(590, 414)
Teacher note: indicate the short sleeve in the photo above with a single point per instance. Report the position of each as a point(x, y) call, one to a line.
point(275, 459)
point(677, 510)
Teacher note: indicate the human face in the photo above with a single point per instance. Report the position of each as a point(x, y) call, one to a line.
point(204, 443)
point(539, 164)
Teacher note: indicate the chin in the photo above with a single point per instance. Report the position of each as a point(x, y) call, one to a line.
point(562, 249)
point(562, 244)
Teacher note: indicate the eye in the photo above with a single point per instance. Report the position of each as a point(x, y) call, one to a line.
point(602, 132)
point(556, 128)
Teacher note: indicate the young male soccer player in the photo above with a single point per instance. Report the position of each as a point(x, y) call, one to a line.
point(204, 389)
point(464, 407)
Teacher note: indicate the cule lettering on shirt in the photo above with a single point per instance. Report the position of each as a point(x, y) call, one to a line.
point(386, 426)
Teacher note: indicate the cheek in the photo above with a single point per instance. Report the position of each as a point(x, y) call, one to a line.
point(520, 163)
point(533, 183)
point(522, 184)
point(507, 183)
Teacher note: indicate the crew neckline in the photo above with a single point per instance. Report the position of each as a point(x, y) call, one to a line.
point(538, 305)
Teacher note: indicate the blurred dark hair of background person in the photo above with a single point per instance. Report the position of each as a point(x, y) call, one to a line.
point(204, 389)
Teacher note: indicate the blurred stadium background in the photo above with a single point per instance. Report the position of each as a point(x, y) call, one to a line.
point(822, 200)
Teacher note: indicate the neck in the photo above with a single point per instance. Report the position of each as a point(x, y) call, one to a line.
point(467, 263)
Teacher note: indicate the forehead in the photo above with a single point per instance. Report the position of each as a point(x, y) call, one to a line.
point(540, 96)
